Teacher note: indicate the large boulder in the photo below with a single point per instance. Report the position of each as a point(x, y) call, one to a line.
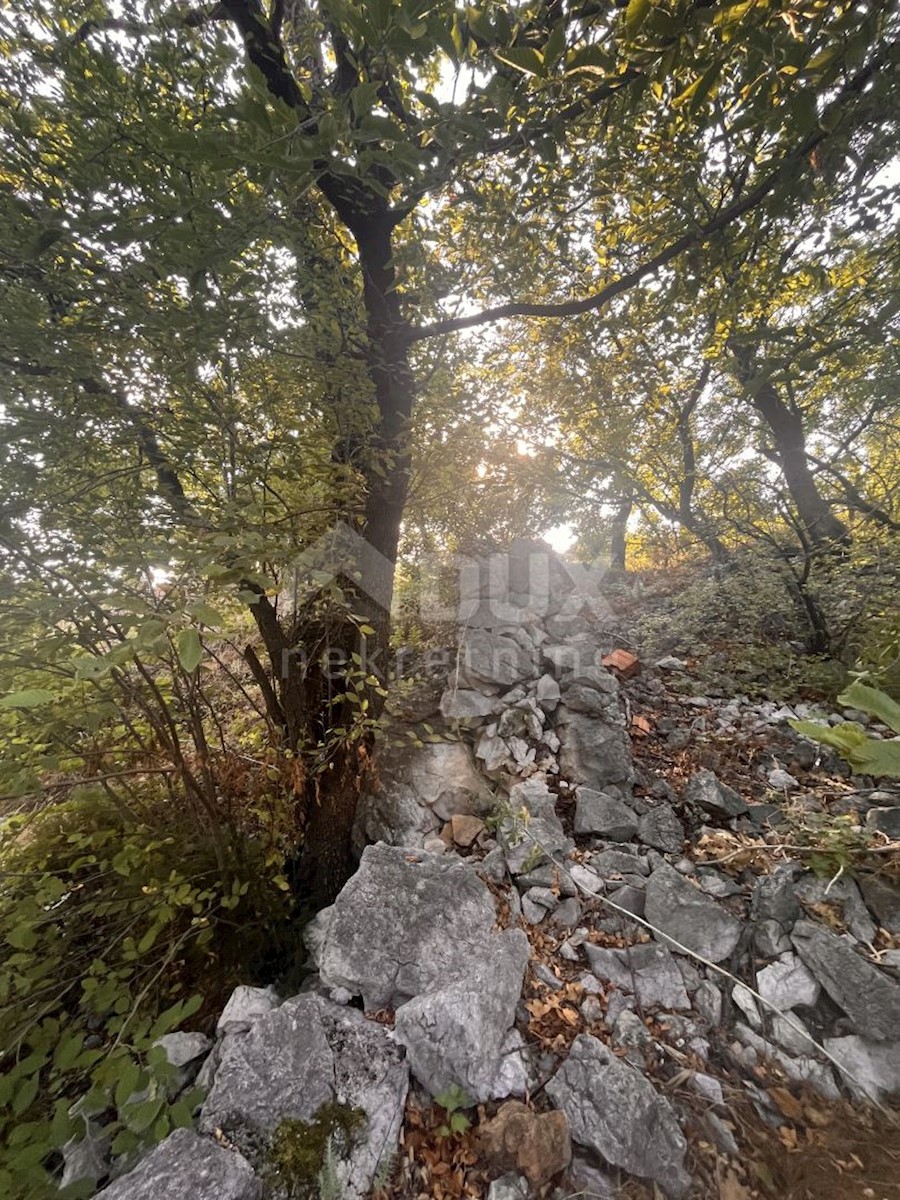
point(420, 787)
point(594, 753)
point(455, 1034)
point(689, 919)
point(188, 1167)
point(406, 923)
point(868, 997)
point(615, 1111)
point(304, 1055)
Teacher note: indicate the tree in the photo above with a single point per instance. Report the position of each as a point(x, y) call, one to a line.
point(196, 199)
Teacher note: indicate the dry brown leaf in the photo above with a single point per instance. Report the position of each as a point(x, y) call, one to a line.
point(790, 1106)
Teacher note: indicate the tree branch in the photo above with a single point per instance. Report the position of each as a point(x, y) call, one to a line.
point(687, 241)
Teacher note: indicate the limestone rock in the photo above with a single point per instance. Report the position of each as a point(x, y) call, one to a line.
point(661, 829)
point(246, 1005)
point(707, 792)
point(787, 984)
point(292, 1061)
point(404, 923)
point(454, 1034)
point(689, 917)
point(463, 704)
point(605, 816)
point(593, 753)
point(495, 658)
point(869, 998)
point(647, 970)
point(527, 846)
point(873, 1067)
point(419, 788)
point(187, 1167)
point(615, 1111)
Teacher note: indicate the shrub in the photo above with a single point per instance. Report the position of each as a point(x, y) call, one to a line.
point(119, 927)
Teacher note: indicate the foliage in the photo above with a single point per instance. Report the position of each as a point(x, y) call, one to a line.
point(867, 755)
point(302, 1155)
point(118, 928)
point(453, 1101)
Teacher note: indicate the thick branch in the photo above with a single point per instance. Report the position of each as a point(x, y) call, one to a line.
point(697, 237)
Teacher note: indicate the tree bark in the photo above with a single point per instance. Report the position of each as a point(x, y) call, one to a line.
point(785, 423)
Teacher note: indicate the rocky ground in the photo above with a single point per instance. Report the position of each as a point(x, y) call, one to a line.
point(609, 937)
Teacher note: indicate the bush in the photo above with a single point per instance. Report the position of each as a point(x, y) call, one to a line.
point(120, 927)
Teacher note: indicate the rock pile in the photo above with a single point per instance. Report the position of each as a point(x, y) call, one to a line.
point(579, 950)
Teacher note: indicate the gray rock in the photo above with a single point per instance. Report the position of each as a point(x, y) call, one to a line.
point(494, 658)
point(746, 1002)
point(567, 914)
point(706, 1086)
point(717, 884)
point(419, 787)
point(492, 752)
point(597, 813)
point(454, 1035)
point(885, 820)
point(615, 1111)
point(292, 1061)
point(462, 704)
point(872, 1068)
point(661, 829)
point(610, 863)
point(648, 971)
point(509, 1187)
point(86, 1161)
point(883, 898)
point(547, 693)
point(787, 984)
point(585, 879)
point(686, 916)
point(404, 923)
point(245, 1006)
point(770, 939)
point(588, 700)
point(629, 1030)
point(592, 676)
point(670, 663)
point(774, 898)
point(527, 845)
point(782, 780)
point(593, 753)
point(707, 792)
point(182, 1049)
point(788, 1036)
point(632, 899)
point(846, 895)
point(188, 1167)
point(708, 1003)
point(868, 997)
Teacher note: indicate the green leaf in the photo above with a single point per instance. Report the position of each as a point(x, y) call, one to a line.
point(523, 58)
point(872, 701)
point(189, 649)
point(32, 698)
point(636, 14)
point(22, 937)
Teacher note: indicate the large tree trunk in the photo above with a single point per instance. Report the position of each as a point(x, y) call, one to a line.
point(785, 423)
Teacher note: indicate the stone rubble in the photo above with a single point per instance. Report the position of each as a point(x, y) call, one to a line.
point(531, 815)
